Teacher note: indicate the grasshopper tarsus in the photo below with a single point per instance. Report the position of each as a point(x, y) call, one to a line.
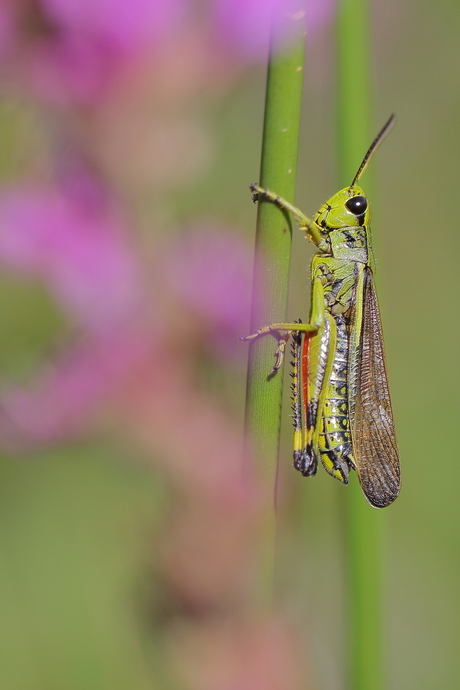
point(255, 196)
point(305, 461)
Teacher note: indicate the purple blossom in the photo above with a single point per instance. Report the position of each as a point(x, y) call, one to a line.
point(76, 242)
point(210, 269)
point(70, 68)
point(84, 256)
point(76, 51)
point(64, 398)
point(245, 24)
point(80, 248)
point(125, 25)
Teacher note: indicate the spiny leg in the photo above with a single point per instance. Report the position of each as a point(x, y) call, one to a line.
point(296, 354)
point(310, 406)
point(307, 465)
point(304, 458)
point(279, 326)
point(288, 329)
point(316, 321)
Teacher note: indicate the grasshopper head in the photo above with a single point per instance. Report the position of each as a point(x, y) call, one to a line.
point(349, 208)
point(341, 226)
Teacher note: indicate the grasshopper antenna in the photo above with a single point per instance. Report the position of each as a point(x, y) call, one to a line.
point(387, 127)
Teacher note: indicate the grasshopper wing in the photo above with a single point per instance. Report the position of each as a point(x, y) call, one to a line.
point(373, 433)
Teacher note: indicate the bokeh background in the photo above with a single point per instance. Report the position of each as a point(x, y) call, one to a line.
point(127, 142)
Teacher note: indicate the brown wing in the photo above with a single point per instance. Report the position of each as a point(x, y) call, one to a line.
point(374, 440)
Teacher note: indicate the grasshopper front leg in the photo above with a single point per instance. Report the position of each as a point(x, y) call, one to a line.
point(305, 223)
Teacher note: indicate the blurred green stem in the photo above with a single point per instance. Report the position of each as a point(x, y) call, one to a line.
point(271, 274)
point(364, 525)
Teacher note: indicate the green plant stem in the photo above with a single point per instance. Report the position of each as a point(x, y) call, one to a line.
point(271, 278)
point(364, 525)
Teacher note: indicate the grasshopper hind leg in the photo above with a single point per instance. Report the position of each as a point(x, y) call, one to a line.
point(305, 459)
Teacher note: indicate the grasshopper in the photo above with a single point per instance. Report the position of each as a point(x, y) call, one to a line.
point(341, 401)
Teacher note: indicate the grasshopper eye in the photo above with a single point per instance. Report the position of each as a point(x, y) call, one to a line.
point(357, 205)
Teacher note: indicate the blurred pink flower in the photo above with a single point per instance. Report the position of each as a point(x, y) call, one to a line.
point(76, 50)
point(76, 241)
point(80, 248)
point(70, 68)
point(245, 24)
point(124, 25)
point(211, 270)
point(64, 398)
point(83, 254)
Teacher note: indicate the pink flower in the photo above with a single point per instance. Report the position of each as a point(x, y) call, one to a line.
point(83, 255)
point(126, 25)
point(78, 245)
point(211, 270)
point(76, 241)
point(245, 24)
point(63, 399)
point(76, 51)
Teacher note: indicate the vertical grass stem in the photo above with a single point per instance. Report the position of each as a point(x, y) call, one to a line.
point(363, 524)
point(271, 267)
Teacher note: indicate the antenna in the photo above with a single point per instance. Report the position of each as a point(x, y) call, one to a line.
point(374, 146)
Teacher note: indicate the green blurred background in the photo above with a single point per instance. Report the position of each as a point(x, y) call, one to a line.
point(77, 522)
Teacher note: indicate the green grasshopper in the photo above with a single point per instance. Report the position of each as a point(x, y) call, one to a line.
point(341, 402)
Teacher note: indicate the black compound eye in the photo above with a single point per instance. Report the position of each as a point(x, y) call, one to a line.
point(357, 205)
